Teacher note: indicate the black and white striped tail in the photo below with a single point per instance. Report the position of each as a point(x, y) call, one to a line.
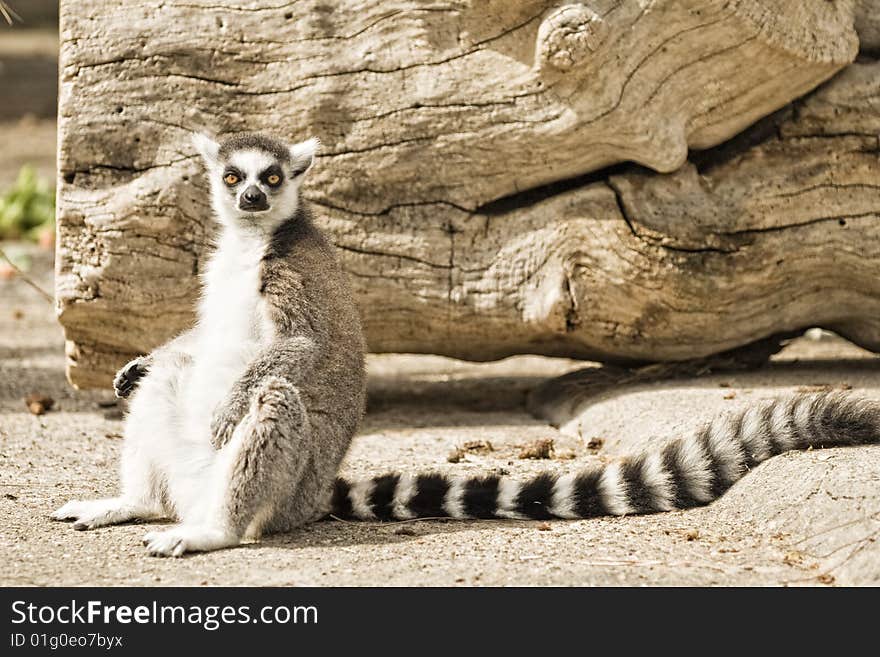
point(684, 473)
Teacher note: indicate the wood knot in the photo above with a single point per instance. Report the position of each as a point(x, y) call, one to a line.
point(568, 35)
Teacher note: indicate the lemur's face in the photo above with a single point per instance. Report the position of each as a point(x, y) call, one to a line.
point(255, 178)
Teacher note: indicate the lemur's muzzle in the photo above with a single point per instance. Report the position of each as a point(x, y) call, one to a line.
point(253, 200)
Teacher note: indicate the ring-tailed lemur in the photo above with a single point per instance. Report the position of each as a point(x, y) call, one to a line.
point(238, 426)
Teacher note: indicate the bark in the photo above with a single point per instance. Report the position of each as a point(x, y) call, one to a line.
point(434, 118)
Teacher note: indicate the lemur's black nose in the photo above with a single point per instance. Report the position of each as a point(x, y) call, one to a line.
point(253, 200)
point(253, 195)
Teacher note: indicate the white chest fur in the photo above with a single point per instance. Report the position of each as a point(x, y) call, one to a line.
point(231, 309)
point(233, 325)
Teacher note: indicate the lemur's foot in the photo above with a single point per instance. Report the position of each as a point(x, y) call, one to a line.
point(127, 378)
point(91, 514)
point(179, 540)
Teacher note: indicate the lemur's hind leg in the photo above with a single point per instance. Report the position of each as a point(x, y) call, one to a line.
point(254, 474)
point(150, 421)
point(91, 514)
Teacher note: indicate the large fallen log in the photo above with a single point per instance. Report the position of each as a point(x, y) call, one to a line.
point(433, 118)
point(867, 16)
point(746, 242)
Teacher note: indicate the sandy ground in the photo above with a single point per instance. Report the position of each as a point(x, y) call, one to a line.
point(802, 518)
point(28, 98)
point(28, 73)
point(26, 141)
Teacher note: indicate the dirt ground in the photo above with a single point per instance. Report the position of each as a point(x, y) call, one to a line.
point(802, 518)
point(26, 141)
point(28, 100)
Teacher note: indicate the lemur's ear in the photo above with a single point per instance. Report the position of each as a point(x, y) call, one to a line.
point(302, 155)
point(207, 148)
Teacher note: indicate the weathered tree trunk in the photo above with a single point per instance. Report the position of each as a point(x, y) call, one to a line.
point(868, 24)
point(434, 121)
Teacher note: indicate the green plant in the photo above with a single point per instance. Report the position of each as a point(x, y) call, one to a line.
point(27, 210)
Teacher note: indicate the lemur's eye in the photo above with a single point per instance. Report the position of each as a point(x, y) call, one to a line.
point(273, 179)
point(230, 179)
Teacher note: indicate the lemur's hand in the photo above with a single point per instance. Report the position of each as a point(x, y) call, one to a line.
point(226, 418)
point(222, 426)
point(127, 378)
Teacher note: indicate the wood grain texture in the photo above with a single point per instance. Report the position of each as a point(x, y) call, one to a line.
point(867, 22)
point(434, 118)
